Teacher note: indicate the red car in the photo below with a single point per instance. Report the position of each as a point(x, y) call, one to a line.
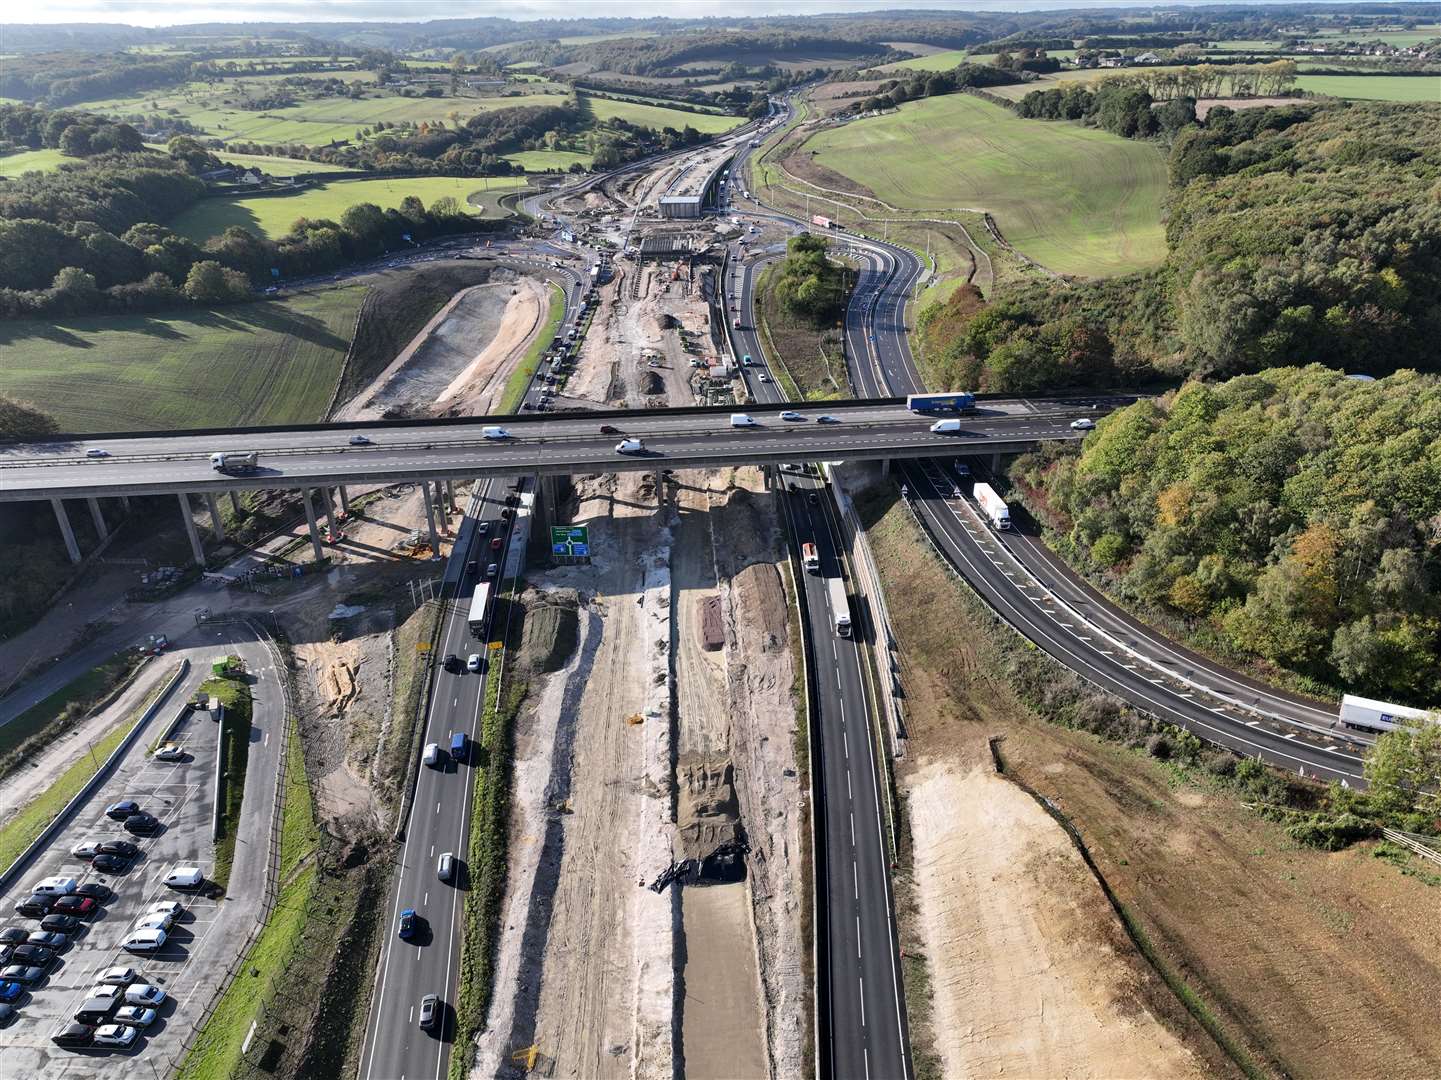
point(495, 544)
point(83, 906)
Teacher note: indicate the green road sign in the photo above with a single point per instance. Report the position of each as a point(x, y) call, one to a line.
point(570, 540)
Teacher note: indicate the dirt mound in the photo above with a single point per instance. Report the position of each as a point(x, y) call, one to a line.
point(652, 383)
point(666, 321)
point(707, 813)
point(551, 627)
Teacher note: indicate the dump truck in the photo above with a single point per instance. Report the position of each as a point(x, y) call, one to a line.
point(235, 461)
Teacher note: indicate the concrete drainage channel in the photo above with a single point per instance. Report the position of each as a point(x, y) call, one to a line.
point(205, 945)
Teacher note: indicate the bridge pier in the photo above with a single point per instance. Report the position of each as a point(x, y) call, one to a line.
point(430, 517)
point(188, 516)
point(217, 524)
point(96, 516)
point(330, 514)
point(885, 466)
point(71, 547)
point(125, 503)
point(235, 503)
point(305, 495)
point(450, 496)
point(996, 463)
point(344, 500)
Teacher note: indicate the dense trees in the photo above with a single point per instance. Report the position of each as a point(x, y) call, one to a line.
point(21, 420)
point(1293, 514)
point(1305, 233)
point(934, 83)
point(807, 283)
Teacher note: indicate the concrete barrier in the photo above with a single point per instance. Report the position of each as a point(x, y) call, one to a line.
point(13, 871)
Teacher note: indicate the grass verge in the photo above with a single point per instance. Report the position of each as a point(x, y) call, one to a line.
point(486, 858)
point(234, 754)
point(519, 380)
point(21, 830)
point(47, 720)
point(216, 1051)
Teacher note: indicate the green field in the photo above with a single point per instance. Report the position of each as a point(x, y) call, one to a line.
point(541, 160)
point(273, 215)
point(215, 109)
point(1374, 87)
point(1400, 38)
point(1075, 199)
point(31, 160)
point(269, 362)
point(657, 117)
point(281, 166)
point(944, 61)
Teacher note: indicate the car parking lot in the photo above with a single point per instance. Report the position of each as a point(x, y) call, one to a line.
point(205, 940)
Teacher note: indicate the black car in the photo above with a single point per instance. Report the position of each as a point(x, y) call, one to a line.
point(5, 953)
point(35, 955)
point(64, 924)
point(13, 935)
point(36, 907)
point(123, 809)
point(811, 498)
point(124, 848)
point(95, 891)
point(452, 662)
point(7, 1013)
point(25, 974)
point(74, 1035)
point(470, 566)
point(142, 823)
point(111, 864)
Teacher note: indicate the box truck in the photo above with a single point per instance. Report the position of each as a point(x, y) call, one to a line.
point(810, 558)
point(840, 606)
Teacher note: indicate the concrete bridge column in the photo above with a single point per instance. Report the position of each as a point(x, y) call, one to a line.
point(187, 515)
point(430, 516)
point(305, 498)
point(96, 516)
point(235, 503)
point(344, 500)
point(996, 463)
point(330, 513)
point(450, 495)
point(125, 503)
point(217, 524)
point(71, 547)
point(885, 466)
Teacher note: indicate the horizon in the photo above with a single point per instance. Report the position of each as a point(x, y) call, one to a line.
point(156, 17)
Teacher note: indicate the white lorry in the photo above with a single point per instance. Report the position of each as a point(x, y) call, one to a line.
point(1367, 714)
point(840, 606)
point(234, 461)
point(993, 506)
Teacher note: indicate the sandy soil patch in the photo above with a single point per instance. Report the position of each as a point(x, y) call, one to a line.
point(1033, 974)
point(476, 390)
point(720, 1039)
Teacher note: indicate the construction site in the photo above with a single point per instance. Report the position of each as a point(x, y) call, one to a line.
point(655, 762)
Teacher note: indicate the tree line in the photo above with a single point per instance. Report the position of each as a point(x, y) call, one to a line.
point(926, 84)
point(1288, 516)
point(1296, 234)
point(807, 283)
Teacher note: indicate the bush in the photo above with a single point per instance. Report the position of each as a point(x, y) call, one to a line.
point(1331, 833)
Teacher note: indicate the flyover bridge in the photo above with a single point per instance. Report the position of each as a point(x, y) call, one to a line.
point(331, 456)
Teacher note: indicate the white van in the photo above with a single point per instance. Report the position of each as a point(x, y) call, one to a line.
point(740, 419)
point(55, 886)
point(185, 877)
point(144, 941)
point(946, 427)
point(629, 446)
point(492, 432)
point(432, 754)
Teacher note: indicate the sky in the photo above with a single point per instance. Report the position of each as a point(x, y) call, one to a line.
point(153, 13)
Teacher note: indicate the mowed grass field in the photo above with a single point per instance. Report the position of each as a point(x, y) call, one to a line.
point(657, 116)
point(543, 160)
point(1075, 199)
point(1374, 87)
point(268, 362)
point(280, 166)
point(31, 161)
point(273, 215)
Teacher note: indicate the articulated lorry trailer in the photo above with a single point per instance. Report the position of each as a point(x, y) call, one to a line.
point(1367, 714)
point(840, 606)
point(993, 506)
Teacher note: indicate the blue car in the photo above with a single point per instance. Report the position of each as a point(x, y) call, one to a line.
point(10, 992)
point(409, 924)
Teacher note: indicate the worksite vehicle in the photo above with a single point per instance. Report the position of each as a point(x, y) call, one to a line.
point(810, 558)
point(235, 461)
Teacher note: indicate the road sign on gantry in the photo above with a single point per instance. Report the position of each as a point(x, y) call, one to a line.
point(570, 541)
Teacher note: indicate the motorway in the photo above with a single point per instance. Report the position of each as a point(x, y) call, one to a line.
point(395, 1047)
point(1046, 602)
point(546, 443)
point(861, 1006)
